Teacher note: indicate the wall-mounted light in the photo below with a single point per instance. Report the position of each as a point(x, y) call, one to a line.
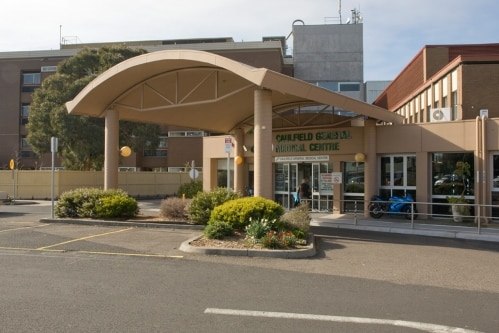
point(245, 148)
point(239, 160)
point(125, 151)
point(360, 157)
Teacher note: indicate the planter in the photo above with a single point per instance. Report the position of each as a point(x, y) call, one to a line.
point(456, 213)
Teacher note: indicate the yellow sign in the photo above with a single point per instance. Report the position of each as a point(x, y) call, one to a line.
point(11, 165)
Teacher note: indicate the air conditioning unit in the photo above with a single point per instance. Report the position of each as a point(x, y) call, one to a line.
point(440, 114)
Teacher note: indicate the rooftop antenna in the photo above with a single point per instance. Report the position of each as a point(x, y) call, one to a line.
point(339, 10)
point(356, 18)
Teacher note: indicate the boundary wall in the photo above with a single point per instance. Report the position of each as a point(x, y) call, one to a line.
point(37, 184)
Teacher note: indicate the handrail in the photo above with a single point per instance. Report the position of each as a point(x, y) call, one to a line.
point(426, 213)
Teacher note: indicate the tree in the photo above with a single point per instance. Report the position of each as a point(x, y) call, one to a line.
point(81, 139)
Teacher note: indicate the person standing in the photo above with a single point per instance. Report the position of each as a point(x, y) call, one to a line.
point(304, 189)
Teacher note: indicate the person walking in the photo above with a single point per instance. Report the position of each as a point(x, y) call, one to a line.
point(303, 190)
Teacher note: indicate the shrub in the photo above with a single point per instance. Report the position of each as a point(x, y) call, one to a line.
point(116, 206)
point(190, 189)
point(80, 202)
point(85, 202)
point(297, 219)
point(201, 206)
point(174, 208)
point(240, 212)
point(218, 230)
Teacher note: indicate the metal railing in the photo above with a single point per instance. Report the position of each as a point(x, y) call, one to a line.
point(424, 213)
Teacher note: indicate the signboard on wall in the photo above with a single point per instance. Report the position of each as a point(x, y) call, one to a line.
point(326, 182)
point(295, 159)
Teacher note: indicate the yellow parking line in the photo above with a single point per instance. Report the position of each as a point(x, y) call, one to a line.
point(83, 238)
point(132, 254)
point(27, 249)
point(124, 254)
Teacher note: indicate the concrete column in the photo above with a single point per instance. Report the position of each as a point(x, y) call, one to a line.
point(111, 149)
point(239, 168)
point(370, 163)
point(263, 143)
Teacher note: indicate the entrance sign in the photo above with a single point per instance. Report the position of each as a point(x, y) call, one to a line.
point(290, 159)
point(228, 145)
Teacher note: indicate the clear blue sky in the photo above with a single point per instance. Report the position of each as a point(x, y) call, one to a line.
point(394, 30)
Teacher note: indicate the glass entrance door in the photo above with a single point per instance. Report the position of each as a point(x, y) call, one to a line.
point(288, 176)
point(285, 183)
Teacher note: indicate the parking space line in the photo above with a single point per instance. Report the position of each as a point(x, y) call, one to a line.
point(21, 228)
point(83, 238)
point(433, 328)
point(152, 255)
point(27, 249)
point(123, 254)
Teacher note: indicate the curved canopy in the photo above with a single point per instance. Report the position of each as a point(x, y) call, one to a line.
point(202, 90)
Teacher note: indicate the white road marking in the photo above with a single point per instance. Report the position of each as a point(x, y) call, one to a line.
point(432, 328)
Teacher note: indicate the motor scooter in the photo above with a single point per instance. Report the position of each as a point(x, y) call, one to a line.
point(395, 206)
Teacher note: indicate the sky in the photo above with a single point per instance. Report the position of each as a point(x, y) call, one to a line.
point(394, 30)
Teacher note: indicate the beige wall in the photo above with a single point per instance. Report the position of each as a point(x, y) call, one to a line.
point(35, 184)
point(418, 139)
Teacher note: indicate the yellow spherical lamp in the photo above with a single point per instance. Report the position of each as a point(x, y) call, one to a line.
point(360, 157)
point(239, 160)
point(125, 151)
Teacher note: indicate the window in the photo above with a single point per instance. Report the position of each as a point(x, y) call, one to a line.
point(24, 143)
point(444, 178)
point(31, 79)
point(28, 154)
point(444, 101)
point(189, 134)
point(339, 86)
point(354, 177)
point(25, 110)
point(495, 186)
point(454, 105)
point(155, 153)
point(161, 151)
point(351, 86)
point(397, 175)
point(333, 86)
point(24, 113)
point(163, 142)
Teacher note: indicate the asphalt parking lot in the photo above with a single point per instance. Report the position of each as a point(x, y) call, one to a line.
point(21, 229)
point(340, 252)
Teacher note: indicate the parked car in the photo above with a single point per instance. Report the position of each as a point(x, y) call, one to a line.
point(450, 178)
point(355, 185)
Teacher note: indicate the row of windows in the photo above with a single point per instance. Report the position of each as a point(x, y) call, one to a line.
point(436, 96)
point(339, 86)
point(186, 134)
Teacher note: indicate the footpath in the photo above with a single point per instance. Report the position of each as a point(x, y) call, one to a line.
point(430, 228)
